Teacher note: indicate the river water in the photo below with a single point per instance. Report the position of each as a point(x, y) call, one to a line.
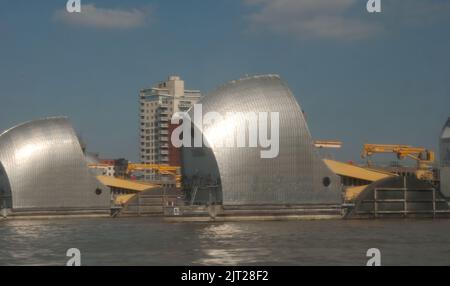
point(151, 241)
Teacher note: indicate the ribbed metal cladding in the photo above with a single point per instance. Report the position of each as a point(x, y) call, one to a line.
point(444, 143)
point(295, 176)
point(46, 170)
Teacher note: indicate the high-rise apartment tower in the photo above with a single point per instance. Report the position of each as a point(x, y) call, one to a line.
point(157, 105)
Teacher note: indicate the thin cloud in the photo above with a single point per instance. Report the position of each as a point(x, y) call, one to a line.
point(344, 20)
point(310, 18)
point(105, 18)
point(416, 13)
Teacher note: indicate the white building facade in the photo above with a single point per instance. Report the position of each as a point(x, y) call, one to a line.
point(157, 105)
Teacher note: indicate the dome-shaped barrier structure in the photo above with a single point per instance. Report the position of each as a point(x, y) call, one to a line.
point(444, 143)
point(240, 175)
point(44, 169)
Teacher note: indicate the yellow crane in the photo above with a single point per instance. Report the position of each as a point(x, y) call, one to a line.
point(174, 171)
point(424, 158)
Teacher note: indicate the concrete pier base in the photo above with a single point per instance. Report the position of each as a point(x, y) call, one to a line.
point(219, 213)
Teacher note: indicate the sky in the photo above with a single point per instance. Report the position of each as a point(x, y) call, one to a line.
point(360, 77)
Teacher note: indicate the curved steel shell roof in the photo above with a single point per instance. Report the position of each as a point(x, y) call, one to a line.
point(444, 143)
point(446, 130)
point(45, 168)
point(295, 176)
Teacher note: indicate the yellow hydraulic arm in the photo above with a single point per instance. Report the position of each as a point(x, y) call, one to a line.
point(422, 156)
point(162, 169)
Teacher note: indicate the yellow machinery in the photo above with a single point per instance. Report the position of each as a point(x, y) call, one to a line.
point(424, 158)
point(356, 172)
point(124, 189)
point(161, 169)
